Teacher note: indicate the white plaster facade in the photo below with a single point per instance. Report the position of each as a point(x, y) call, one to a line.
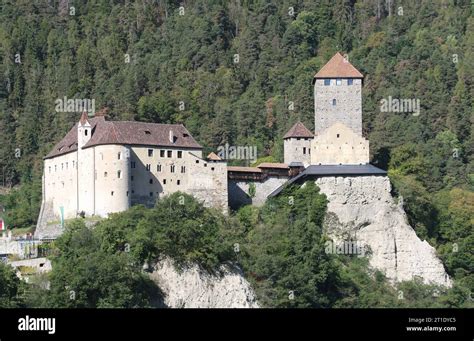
point(106, 178)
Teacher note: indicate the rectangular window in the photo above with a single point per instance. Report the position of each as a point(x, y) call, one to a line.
point(179, 182)
point(131, 178)
point(158, 168)
point(150, 152)
point(162, 153)
point(164, 181)
point(119, 155)
point(170, 153)
point(172, 168)
point(148, 167)
point(151, 181)
point(304, 150)
point(119, 174)
point(338, 81)
point(132, 164)
point(66, 165)
point(151, 194)
point(50, 169)
point(350, 81)
point(183, 169)
point(180, 154)
point(327, 82)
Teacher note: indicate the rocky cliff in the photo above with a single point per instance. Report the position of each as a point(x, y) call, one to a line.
point(361, 209)
point(192, 287)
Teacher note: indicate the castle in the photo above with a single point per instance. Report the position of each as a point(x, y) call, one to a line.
point(102, 166)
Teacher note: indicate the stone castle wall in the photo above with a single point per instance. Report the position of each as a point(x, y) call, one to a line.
point(239, 191)
point(297, 150)
point(339, 145)
point(347, 109)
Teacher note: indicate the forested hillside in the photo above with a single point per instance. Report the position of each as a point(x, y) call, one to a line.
point(240, 72)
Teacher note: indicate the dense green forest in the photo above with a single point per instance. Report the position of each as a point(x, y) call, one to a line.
point(228, 71)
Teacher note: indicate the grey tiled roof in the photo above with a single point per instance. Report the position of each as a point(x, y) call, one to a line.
point(315, 171)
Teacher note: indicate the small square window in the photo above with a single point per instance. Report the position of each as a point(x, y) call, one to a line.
point(112, 193)
point(180, 154)
point(150, 152)
point(327, 82)
point(169, 153)
point(151, 194)
point(338, 81)
point(337, 135)
point(162, 153)
point(164, 181)
point(179, 182)
point(350, 81)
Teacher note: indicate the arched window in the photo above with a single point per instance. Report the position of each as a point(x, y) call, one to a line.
point(85, 132)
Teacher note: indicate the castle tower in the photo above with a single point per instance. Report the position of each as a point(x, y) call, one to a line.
point(297, 144)
point(84, 131)
point(85, 167)
point(338, 115)
point(338, 95)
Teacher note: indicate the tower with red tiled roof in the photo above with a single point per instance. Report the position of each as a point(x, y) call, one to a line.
point(338, 95)
point(297, 144)
point(338, 136)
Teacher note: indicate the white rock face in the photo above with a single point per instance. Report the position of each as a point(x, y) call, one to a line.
point(362, 209)
point(193, 287)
